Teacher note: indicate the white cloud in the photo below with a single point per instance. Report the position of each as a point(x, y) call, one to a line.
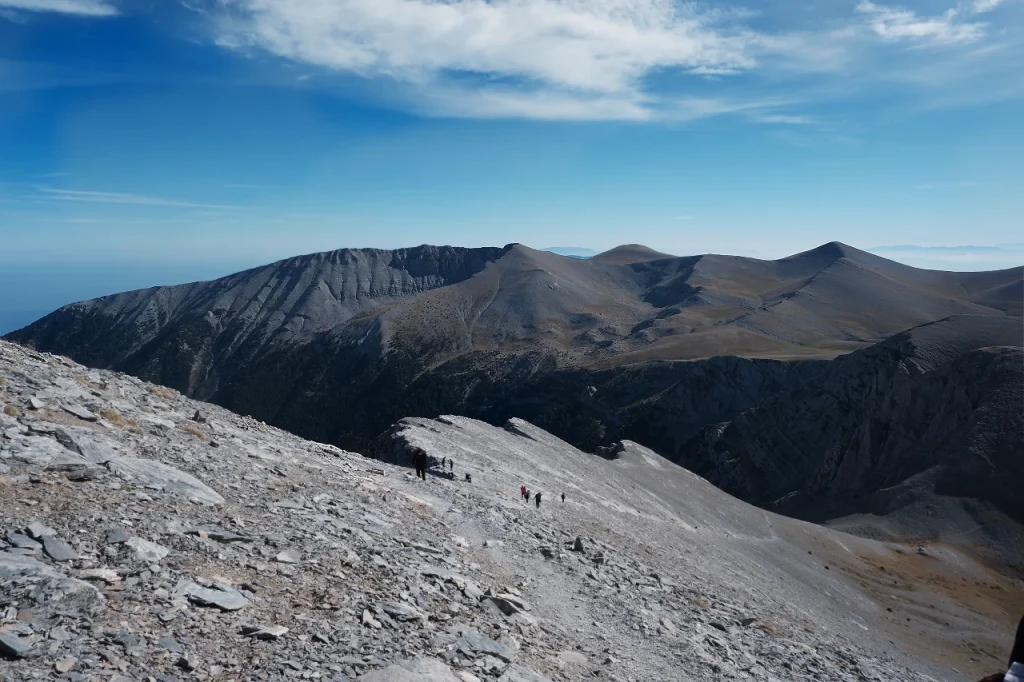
point(899, 23)
point(588, 59)
point(92, 8)
point(546, 59)
point(121, 198)
point(591, 45)
point(979, 6)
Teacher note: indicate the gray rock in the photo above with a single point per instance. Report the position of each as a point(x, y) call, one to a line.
point(416, 670)
point(35, 403)
point(368, 620)
point(146, 551)
point(219, 534)
point(22, 541)
point(577, 545)
point(117, 535)
point(57, 549)
point(402, 612)
point(39, 530)
point(13, 646)
point(222, 597)
point(167, 478)
point(288, 556)
point(268, 633)
point(474, 643)
point(80, 412)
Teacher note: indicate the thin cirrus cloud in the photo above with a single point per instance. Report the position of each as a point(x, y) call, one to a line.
point(122, 198)
point(89, 8)
point(898, 23)
point(581, 59)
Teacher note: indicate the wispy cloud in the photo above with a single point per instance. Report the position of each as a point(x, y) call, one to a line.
point(586, 59)
point(121, 198)
point(899, 23)
point(980, 6)
point(91, 8)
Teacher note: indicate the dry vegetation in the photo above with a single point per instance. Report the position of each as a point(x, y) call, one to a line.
point(163, 392)
point(115, 418)
point(195, 431)
point(11, 411)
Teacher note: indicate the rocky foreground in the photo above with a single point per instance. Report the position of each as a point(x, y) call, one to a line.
point(146, 536)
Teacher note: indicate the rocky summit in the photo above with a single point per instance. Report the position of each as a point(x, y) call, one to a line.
point(147, 536)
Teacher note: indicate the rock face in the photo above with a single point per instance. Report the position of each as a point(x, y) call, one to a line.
point(338, 346)
point(927, 418)
point(445, 580)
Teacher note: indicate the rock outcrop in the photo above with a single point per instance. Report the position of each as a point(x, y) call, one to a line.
point(927, 417)
point(304, 561)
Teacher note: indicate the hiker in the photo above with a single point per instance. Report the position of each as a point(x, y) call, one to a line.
point(522, 491)
point(1016, 671)
point(469, 479)
point(421, 464)
point(451, 464)
point(527, 497)
point(563, 498)
point(444, 460)
point(537, 497)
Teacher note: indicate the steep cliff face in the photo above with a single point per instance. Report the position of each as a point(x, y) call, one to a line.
point(934, 412)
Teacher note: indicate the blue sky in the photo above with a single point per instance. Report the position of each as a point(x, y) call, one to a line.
point(151, 141)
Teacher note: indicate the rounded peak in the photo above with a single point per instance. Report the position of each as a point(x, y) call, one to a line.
point(627, 254)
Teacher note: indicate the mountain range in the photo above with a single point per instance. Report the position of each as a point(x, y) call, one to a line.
point(829, 385)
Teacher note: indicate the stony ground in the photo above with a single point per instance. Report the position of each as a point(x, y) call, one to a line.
point(145, 536)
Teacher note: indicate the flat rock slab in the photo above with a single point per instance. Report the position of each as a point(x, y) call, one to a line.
point(38, 530)
point(22, 541)
point(13, 646)
point(223, 598)
point(402, 612)
point(268, 633)
point(57, 549)
point(219, 534)
point(106, 575)
point(83, 442)
point(474, 643)
point(171, 480)
point(146, 551)
point(80, 412)
point(415, 670)
point(117, 535)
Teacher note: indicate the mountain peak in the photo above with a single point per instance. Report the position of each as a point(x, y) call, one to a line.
point(627, 254)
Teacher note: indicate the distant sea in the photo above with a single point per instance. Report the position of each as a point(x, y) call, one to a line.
point(30, 290)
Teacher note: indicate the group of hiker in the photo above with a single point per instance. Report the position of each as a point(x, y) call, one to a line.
point(525, 492)
point(422, 462)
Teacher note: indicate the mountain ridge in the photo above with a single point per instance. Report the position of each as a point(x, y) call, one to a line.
point(657, 351)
